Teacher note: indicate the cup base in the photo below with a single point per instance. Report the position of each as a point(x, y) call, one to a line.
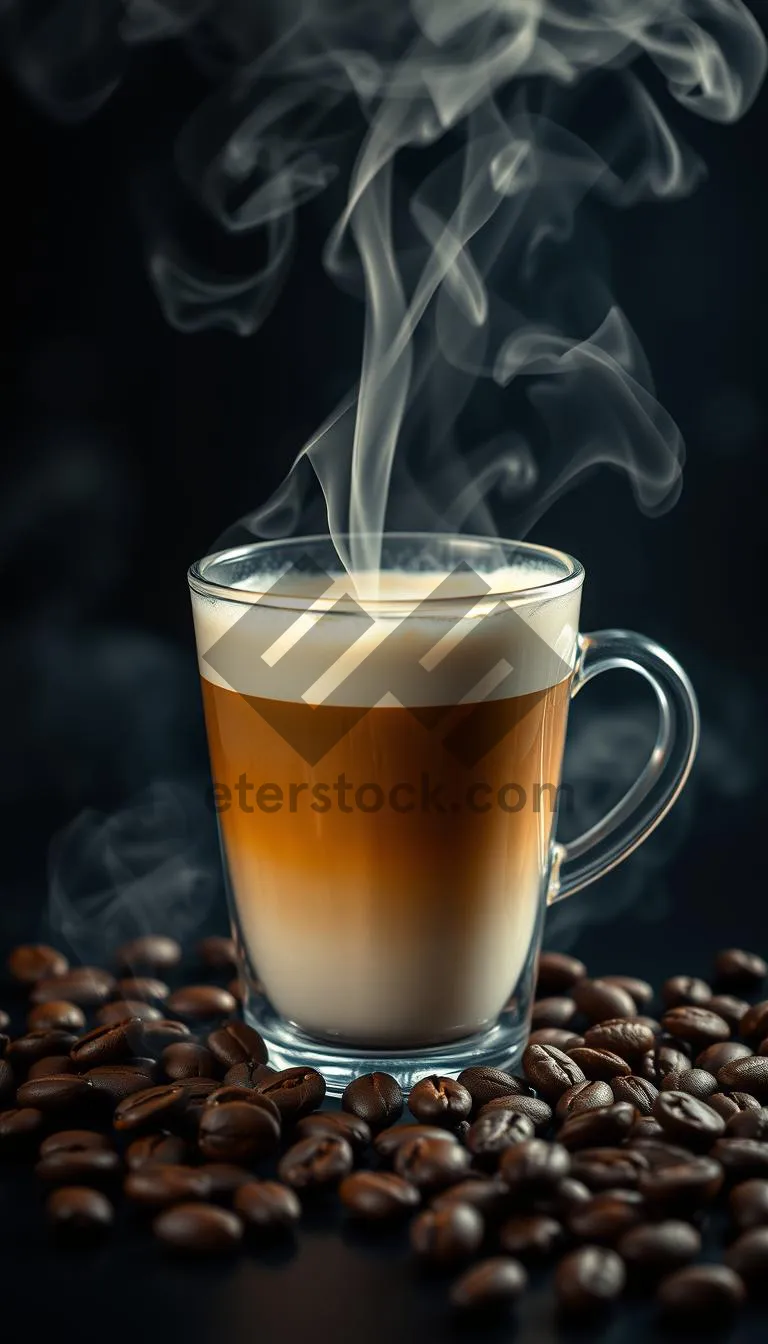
point(501, 1047)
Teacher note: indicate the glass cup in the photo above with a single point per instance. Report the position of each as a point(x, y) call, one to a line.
point(386, 753)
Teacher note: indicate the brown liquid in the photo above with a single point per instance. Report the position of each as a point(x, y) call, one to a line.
point(387, 927)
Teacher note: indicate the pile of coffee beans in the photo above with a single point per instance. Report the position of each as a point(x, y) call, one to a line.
point(637, 1128)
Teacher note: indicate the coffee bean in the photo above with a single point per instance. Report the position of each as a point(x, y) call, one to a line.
point(639, 990)
point(249, 1074)
point(550, 1070)
point(151, 1108)
point(104, 1045)
point(350, 1127)
point(714, 1057)
point(188, 1060)
point(748, 1257)
point(560, 1037)
point(236, 1043)
point(268, 1208)
point(237, 1131)
point(563, 1198)
point(556, 1011)
point(54, 1093)
point(440, 1101)
point(741, 1159)
point(662, 1060)
point(598, 1000)
point(534, 1165)
point(447, 1236)
point(682, 990)
point(78, 1214)
point(659, 1152)
point(154, 1036)
point(79, 1166)
point(725, 1106)
point(583, 1097)
point(316, 1162)
point(557, 973)
point(600, 1065)
point(637, 1091)
point(745, 1101)
point(535, 1110)
point(483, 1084)
point(86, 986)
point(730, 1009)
point(153, 952)
point(295, 1092)
point(376, 1098)
point(27, 1050)
point(75, 1141)
point(495, 1131)
point(111, 1083)
point(604, 1217)
point(218, 1094)
point(747, 1075)
point(653, 1249)
point(123, 1010)
point(388, 1141)
point(238, 989)
point(699, 1026)
point(682, 1187)
point(35, 961)
point(625, 1037)
point(489, 1195)
point(608, 1125)
point(142, 988)
point(587, 1279)
point(696, 1082)
point(748, 1124)
point(749, 1204)
point(431, 1164)
point(532, 1237)
point(490, 1285)
point(201, 1003)
point(198, 1229)
point(155, 1187)
point(739, 969)
point(377, 1196)
point(608, 1168)
point(155, 1150)
point(754, 1023)
point(56, 1014)
point(686, 1118)
point(645, 1127)
point(19, 1126)
point(707, 1294)
point(217, 953)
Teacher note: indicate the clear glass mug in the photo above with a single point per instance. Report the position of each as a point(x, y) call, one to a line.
point(386, 755)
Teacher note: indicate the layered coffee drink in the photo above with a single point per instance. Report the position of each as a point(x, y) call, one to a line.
point(387, 760)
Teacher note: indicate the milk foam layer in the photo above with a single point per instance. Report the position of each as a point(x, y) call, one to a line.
point(477, 647)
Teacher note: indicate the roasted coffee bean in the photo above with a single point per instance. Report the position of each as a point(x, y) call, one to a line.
point(249, 1074)
point(534, 1165)
point(105, 1045)
point(682, 1187)
point(739, 969)
point(607, 1126)
point(142, 988)
point(754, 1023)
point(583, 1097)
point(238, 989)
point(686, 1118)
point(646, 1127)
point(111, 1083)
point(749, 1204)
point(79, 1166)
point(564, 1197)
point(154, 1036)
point(199, 1092)
point(639, 1092)
point(220, 1093)
point(153, 952)
point(489, 1286)
point(696, 1082)
point(557, 973)
point(236, 1043)
point(388, 1141)
point(533, 1237)
point(639, 990)
point(198, 1229)
point(237, 1131)
point(556, 1011)
point(268, 1208)
point(316, 1162)
point(54, 1093)
point(151, 1108)
point(431, 1164)
point(724, 1105)
point(662, 1060)
point(35, 961)
point(699, 1026)
point(156, 1150)
point(201, 1003)
point(297, 1091)
point(495, 1131)
point(745, 1101)
point(224, 1178)
point(483, 1084)
point(550, 1070)
point(560, 1037)
point(715, 1056)
point(600, 1065)
point(653, 1249)
point(86, 986)
point(747, 1075)
point(78, 1214)
point(26, 1050)
point(681, 990)
point(608, 1168)
point(439, 1101)
point(705, 1294)
point(349, 1127)
point(623, 1036)
point(604, 1217)
point(657, 1151)
point(155, 1186)
point(748, 1257)
point(741, 1159)
point(598, 1000)
point(58, 1014)
point(124, 1010)
point(447, 1236)
point(219, 954)
point(188, 1060)
point(533, 1108)
point(378, 1196)
point(19, 1126)
point(376, 1098)
point(588, 1279)
point(489, 1195)
point(729, 1008)
point(748, 1124)
point(75, 1141)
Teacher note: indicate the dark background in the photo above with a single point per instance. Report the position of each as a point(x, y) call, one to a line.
point(128, 448)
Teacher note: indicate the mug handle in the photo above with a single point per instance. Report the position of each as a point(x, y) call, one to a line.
point(648, 801)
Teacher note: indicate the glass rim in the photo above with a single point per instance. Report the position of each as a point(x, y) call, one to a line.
point(551, 588)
